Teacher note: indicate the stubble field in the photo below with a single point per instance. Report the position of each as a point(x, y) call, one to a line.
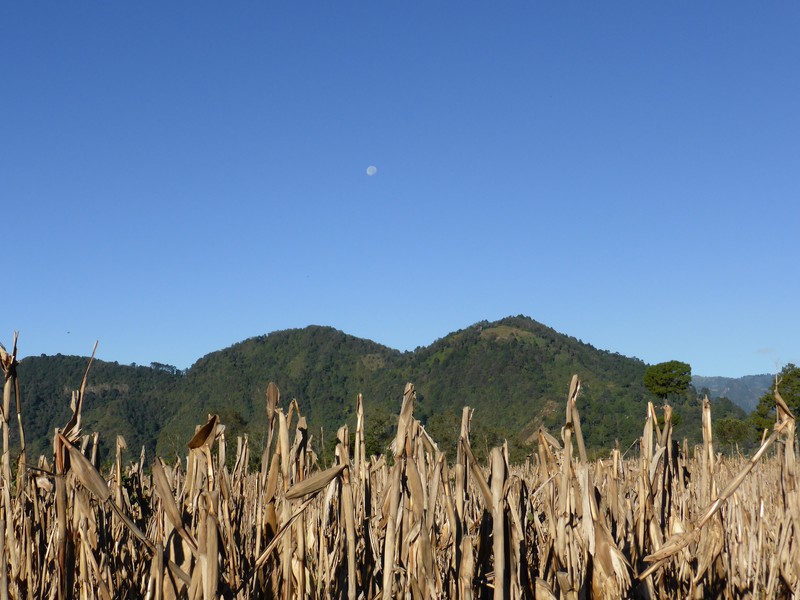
point(661, 520)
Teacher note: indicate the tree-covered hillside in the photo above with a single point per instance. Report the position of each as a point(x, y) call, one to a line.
point(119, 400)
point(322, 368)
point(514, 373)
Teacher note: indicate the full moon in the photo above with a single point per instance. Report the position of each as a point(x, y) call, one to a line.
point(371, 170)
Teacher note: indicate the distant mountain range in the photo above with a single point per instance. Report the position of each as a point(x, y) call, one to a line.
point(743, 391)
point(514, 372)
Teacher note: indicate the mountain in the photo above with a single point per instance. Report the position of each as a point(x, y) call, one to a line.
point(514, 373)
point(743, 391)
point(119, 400)
point(324, 369)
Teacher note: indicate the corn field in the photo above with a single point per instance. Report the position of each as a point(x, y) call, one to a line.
point(672, 522)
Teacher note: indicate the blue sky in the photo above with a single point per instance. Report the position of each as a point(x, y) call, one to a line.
point(179, 176)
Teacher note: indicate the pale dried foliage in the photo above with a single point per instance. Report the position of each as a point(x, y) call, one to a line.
point(673, 523)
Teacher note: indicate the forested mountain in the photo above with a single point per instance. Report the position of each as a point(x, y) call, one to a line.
point(514, 372)
point(322, 368)
point(743, 391)
point(119, 400)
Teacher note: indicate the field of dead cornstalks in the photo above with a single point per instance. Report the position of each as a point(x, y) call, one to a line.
point(668, 521)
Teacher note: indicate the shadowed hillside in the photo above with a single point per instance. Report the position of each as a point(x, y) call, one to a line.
point(130, 401)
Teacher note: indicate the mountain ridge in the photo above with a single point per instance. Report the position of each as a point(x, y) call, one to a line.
point(745, 391)
point(514, 372)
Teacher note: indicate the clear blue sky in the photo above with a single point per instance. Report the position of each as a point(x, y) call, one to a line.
point(179, 176)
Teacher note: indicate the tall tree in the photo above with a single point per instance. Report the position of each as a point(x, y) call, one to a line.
point(788, 383)
point(668, 378)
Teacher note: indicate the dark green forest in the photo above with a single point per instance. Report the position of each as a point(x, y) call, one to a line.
point(514, 373)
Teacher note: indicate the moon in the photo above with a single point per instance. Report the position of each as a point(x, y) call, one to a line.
point(371, 170)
